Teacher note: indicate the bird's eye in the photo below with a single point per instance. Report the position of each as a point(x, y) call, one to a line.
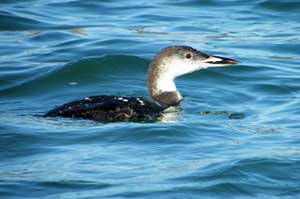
point(188, 55)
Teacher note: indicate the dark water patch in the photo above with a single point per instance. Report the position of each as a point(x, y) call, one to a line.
point(232, 189)
point(20, 144)
point(71, 43)
point(17, 77)
point(120, 42)
point(159, 17)
point(50, 188)
point(188, 3)
point(15, 22)
point(230, 115)
point(241, 177)
point(74, 185)
point(18, 19)
point(291, 192)
point(291, 48)
point(51, 37)
point(272, 89)
point(131, 8)
point(280, 5)
point(83, 72)
point(190, 28)
point(163, 135)
point(79, 6)
point(142, 134)
point(21, 2)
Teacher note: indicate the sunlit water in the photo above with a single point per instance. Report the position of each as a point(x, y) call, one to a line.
point(237, 135)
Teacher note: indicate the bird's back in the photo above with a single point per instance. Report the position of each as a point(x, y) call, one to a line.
point(105, 108)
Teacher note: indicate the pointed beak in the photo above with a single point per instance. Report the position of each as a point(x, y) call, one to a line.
point(216, 61)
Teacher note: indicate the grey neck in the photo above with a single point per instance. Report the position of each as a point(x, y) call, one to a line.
point(162, 88)
point(168, 98)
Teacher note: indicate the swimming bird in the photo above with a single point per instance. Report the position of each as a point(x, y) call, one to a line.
point(171, 62)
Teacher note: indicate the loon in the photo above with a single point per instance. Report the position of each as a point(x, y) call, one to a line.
point(171, 62)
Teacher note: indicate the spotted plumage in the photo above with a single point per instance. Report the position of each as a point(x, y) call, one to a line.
point(106, 108)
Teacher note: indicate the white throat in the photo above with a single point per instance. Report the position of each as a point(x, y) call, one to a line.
point(166, 84)
point(170, 69)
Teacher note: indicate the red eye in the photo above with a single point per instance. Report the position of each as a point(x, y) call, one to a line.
point(188, 55)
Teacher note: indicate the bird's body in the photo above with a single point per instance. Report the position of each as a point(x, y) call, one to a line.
point(105, 108)
point(170, 63)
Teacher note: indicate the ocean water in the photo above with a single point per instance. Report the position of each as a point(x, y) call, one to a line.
point(237, 135)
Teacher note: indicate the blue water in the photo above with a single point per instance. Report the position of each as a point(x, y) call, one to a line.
point(237, 135)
